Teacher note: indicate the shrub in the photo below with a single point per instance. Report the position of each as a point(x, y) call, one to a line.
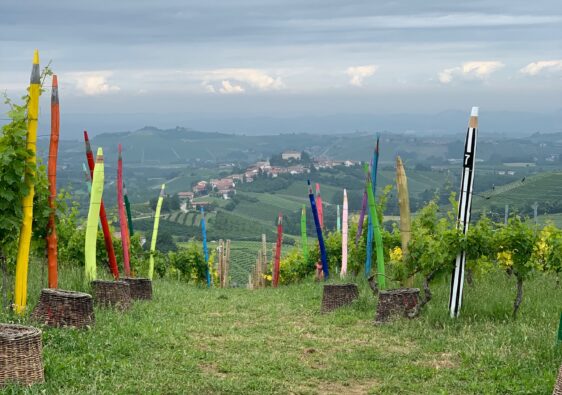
point(293, 267)
point(189, 262)
point(516, 243)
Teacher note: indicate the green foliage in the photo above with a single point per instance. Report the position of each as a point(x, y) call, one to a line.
point(357, 254)
point(517, 239)
point(13, 167)
point(41, 210)
point(136, 254)
point(480, 246)
point(293, 268)
point(69, 250)
point(434, 245)
point(169, 203)
point(161, 264)
point(549, 248)
point(189, 262)
point(164, 240)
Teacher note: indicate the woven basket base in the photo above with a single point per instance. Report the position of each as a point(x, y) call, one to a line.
point(21, 355)
point(338, 295)
point(141, 288)
point(61, 308)
point(558, 385)
point(397, 302)
point(115, 294)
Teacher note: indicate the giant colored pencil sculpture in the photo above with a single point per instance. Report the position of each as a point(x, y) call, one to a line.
point(304, 238)
point(319, 206)
point(52, 175)
point(381, 279)
point(344, 236)
point(128, 209)
point(363, 211)
point(122, 215)
point(155, 232)
point(404, 206)
point(103, 216)
point(276, 263)
point(205, 249)
point(22, 262)
point(361, 217)
point(370, 230)
point(87, 178)
point(338, 218)
point(323, 256)
point(93, 215)
point(463, 217)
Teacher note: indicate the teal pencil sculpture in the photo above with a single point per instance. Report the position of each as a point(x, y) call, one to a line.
point(128, 209)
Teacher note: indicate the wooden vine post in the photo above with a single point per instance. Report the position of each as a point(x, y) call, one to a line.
point(220, 262)
point(226, 264)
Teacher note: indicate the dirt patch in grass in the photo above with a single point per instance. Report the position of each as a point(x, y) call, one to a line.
point(338, 388)
point(445, 360)
point(212, 369)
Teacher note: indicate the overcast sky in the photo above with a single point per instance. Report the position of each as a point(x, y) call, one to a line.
point(288, 58)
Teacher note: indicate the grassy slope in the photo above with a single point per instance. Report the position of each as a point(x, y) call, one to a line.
point(236, 341)
point(540, 187)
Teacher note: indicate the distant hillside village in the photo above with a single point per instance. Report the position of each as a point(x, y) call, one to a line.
point(288, 162)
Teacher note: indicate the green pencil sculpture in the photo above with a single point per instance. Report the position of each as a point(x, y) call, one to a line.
point(155, 232)
point(381, 279)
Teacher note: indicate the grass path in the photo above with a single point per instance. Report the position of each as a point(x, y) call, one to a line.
point(236, 341)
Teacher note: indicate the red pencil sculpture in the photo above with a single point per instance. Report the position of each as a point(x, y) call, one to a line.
point(122, 214)
point(103, 216)
point(52, 176)
point(275, 279)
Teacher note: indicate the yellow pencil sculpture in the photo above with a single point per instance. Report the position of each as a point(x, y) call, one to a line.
point(93, 215)
point(22, 263)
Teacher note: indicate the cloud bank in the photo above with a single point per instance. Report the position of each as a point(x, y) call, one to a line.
point(92, 83)
point(470, 70)
point(228, 81)
point(359, 73)
point(542, 66)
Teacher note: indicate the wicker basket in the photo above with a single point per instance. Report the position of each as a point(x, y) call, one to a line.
point(141, 288)
point(558, 385)
point(402, 301)
point(21, 355)
point(338, 295)
point(58, 308)
point(112, 294)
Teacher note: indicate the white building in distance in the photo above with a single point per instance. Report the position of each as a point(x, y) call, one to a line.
point(291, 155)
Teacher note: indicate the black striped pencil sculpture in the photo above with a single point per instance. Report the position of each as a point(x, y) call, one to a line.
point(463, 216)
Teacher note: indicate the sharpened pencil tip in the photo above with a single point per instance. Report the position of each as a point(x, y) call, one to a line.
point(474, 112)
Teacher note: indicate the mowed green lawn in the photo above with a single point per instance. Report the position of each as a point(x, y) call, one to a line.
point(191, 340)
